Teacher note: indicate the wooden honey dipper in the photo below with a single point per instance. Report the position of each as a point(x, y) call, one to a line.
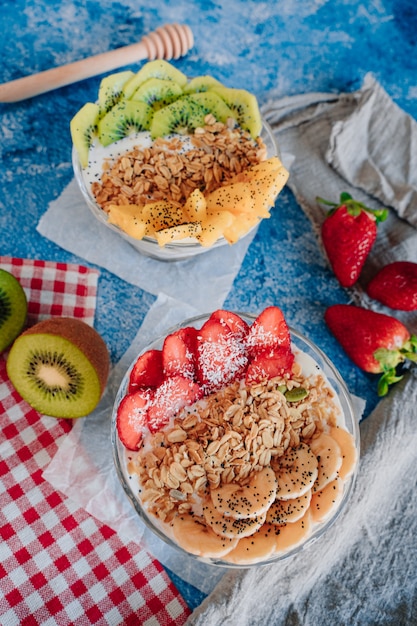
point(170, 41)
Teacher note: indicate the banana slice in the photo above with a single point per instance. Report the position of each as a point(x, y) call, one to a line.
point(251, 500)
point(226, 526)
point(324, 502)
point(193, 534)
point(283, 511)
point(256, 548)
point(292, 534)
point(296, 472)
point(348, 448)
point(329, 457)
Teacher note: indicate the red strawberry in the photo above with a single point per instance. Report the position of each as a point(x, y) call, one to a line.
point(268, 364)
point(269, 331)
point(395, 285)
point(147, 371)
point(132, 418)
point(221, 357)
point(179, 353)
point(376, 342)
point(233, 321)
point(348, 234)
point(170, 397)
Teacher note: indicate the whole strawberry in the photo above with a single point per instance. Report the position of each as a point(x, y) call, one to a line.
point(395, 285)
point(348, 234)
point(376, 342)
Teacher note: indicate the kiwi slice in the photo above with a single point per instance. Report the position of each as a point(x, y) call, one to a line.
point(214, 104)
point(201, 83)
point(245, 106)
point(154, 69)
point(83, 128)
point(13, 309)
point(60, 367)
point(127, 116)
point(110, 90)
point(157, 92)
point(181, 117)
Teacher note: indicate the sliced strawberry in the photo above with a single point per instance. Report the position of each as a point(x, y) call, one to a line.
point(147, 371)
point(132, 418)
point(268, 364)
point(179, 353)
point(170, 397)
point(269, 331)
point(221, 356)
point(234, 322)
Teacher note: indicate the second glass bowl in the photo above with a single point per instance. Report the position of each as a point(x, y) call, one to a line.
point(148, 246)
point(124, 459)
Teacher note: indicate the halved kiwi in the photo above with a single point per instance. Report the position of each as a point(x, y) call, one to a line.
point(245, 106)
point(157, 92)
point(154, 69)
point(83, 128)
point(13, 308)
point(110, 90)
point(60, 367)
point(125, 117)
point(181, 117)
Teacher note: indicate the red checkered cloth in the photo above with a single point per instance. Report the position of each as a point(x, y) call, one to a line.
point(59, 565)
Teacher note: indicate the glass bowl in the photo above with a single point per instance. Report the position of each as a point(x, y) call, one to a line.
point(177, 250)
point(124, 459)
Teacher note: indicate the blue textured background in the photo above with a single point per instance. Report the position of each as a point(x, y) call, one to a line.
point(271, 48)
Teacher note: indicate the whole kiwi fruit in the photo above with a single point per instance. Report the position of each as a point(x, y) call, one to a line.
point(60, 366)
point(13, 309)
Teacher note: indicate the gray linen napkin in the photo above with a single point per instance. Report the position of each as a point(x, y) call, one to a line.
point(336, 143)
point(363, 570)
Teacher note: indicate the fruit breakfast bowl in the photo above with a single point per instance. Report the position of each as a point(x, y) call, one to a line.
point(235, 439)
point(174, 166)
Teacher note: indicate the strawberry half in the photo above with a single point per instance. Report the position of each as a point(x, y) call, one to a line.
point(269, 331)
point(348, 234)
point(147, 371)
point(179, 353)
point(170, 397)
point(269, 364)
point(233, 321)
point(395, 285)
point(221, 356)
point(376, 342)
point(131, 418)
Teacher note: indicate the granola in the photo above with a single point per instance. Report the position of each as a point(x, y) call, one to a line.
point(226, 438)
point(167, 171)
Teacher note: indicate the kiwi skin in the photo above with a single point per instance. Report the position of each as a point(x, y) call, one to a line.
point(80, 335)
point(13, 309)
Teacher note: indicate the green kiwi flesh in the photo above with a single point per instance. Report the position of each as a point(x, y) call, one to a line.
point(125, 117)
point(154, 69)
point(214, 104)
point(83, 128)
point(110, 90)
point(180, 117)
point(157, 92)
point(13, 309)
point(245, 106)
point(134, 102)
point(60, 367)
point(201, 83)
